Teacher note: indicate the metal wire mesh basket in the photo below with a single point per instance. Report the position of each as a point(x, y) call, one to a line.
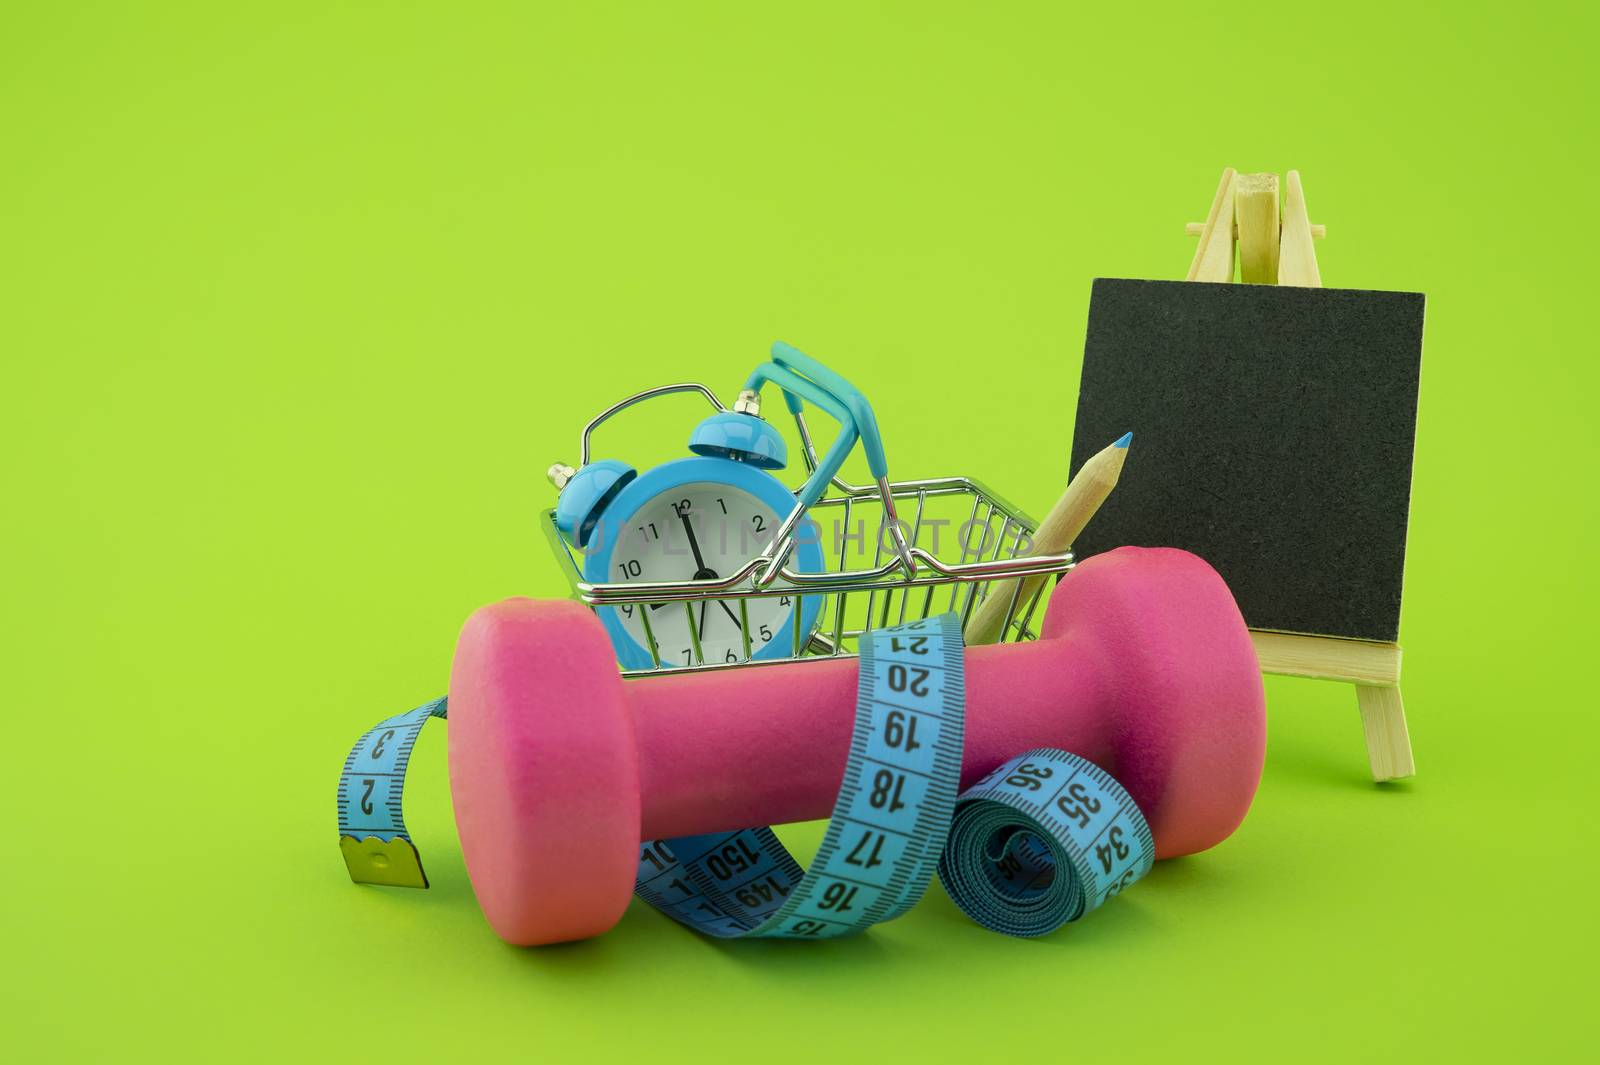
point(897, 551)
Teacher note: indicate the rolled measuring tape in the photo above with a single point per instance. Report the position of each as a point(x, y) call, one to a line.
point(1041, 841)
point(1020, 858)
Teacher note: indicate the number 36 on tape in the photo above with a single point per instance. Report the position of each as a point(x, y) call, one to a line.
point(1039, 842)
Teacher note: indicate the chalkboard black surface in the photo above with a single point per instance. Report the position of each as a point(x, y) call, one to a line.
point(1273, 431)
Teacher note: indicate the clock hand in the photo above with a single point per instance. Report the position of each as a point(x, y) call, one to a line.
point(701, 573)
point(725, 609)
point(694, 545)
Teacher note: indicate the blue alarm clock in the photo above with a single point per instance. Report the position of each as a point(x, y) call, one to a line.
point(704, 518)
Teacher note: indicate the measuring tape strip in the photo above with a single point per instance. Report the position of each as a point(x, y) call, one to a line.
point(1041, 841)
point(889, 822)
point(372, 834)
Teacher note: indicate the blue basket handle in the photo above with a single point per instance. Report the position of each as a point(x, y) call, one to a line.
point(860, 409)
point(801, 376)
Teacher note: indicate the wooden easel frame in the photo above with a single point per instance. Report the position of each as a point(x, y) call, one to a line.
point(1275, 247)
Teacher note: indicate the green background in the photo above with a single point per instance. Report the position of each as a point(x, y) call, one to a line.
point(299, 301)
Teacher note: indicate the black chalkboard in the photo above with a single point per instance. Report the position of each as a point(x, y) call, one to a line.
point(1273, 431)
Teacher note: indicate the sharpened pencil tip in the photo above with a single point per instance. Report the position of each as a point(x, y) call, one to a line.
point(1124, 441)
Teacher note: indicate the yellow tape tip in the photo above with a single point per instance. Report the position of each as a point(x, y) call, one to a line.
point(374, 861)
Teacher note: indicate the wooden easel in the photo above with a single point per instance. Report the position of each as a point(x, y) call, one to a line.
point(1274, 247)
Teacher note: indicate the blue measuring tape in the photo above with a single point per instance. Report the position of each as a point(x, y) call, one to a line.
point(372, 834)
point(889, 822)
point(1042, 840)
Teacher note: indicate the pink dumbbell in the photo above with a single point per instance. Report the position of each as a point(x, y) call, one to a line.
point(559, 768)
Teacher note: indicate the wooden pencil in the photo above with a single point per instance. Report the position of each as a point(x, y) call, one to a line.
point(1066, 520)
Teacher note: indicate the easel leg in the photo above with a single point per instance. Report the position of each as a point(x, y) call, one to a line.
point(1383, 719)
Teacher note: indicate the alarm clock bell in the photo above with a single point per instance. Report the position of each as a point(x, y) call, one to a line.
point(740, 436)
point(585, 493)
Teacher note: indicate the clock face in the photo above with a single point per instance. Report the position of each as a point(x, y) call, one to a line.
point(698, 530)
